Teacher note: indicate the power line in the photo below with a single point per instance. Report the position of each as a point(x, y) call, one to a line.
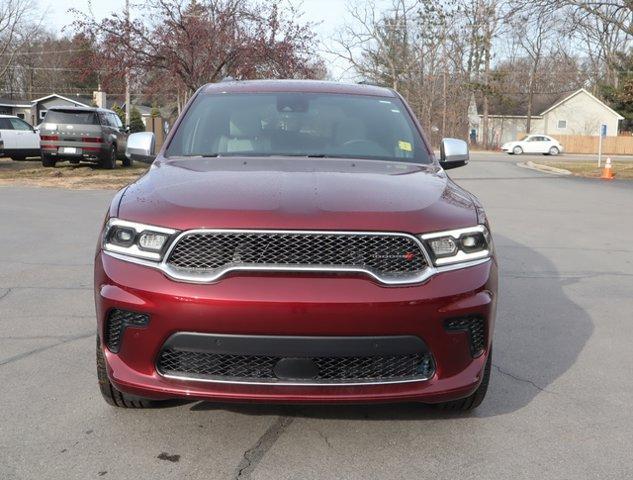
point(82, 92)
point(9, 54)
point(56, 69)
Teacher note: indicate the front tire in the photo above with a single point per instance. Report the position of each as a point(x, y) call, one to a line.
point(554, 151)
point(110, 394)
point(473, 401)
point(517, 150)
point(128, 162)
point(109, 160)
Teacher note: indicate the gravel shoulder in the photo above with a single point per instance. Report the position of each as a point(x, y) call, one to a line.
point(67, 176)
point(622, 169)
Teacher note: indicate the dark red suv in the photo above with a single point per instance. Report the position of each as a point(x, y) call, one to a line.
point(295, 241)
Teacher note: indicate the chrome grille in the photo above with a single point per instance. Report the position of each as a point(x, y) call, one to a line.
point(386, 256)
point(260, 368)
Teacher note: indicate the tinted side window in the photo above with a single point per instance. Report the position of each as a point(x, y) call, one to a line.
point(116, 121)
point(19, 124)
point(5, 124)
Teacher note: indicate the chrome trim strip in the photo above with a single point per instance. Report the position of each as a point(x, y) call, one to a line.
point(459, 266)
point(293, 384)
point(431, 271)
point(202, 278)
point(454, 233)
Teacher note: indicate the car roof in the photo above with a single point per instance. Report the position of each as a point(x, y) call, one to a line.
point(299, 86)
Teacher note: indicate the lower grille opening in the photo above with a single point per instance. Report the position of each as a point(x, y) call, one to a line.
point(317, 370)
point(116, 323)
point(475, 327)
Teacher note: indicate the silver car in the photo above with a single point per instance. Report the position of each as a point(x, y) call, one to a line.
point(83, 134)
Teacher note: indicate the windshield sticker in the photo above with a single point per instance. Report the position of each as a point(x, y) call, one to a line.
point(405, 146)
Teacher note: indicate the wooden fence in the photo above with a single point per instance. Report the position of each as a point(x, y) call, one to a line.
point(589, 144)
point(155, 124)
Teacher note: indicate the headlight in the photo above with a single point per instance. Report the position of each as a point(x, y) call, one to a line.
point(458, 246)
point(136, 240)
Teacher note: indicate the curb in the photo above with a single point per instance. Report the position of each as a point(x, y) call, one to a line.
point(543, 168)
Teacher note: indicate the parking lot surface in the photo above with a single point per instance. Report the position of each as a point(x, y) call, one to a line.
point(559, 404)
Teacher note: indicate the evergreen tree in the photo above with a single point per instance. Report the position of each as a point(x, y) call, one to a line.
point(136, 121)
point(120, 112)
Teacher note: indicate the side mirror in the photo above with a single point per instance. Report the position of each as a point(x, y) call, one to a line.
point(453, 153)
point(141, 147)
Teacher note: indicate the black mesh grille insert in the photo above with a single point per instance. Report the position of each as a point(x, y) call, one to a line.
point(252, 368)
point(116, 323)
point(476, 329)
point(384, 255)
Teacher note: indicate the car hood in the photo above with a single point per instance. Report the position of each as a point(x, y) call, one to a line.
point(297, 193)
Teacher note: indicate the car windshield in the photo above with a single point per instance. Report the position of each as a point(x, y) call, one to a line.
point(71, 117)
point(299, 124)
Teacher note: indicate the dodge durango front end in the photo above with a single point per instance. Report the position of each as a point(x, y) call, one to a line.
point(295, 242)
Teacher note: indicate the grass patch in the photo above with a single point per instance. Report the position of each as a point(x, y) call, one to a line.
point(622, 170)
point(65, 175)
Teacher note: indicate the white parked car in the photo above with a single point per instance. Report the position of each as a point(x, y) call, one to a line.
point(20, 139)
point(534, 144)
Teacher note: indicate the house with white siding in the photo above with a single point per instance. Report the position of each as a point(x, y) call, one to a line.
point(576, 113)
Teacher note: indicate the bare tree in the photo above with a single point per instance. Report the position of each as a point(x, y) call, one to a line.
point(194, 42)
point(14, 16)
point(534, 30)
point(601, 41)
point(617, 13)
point(484, 21)
point(410, 46)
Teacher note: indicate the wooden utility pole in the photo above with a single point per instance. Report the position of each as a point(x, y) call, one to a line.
point(127, 67)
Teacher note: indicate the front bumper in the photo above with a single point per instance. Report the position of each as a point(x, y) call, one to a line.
point(295, 305)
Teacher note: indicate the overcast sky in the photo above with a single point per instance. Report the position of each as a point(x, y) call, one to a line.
point(330, 14)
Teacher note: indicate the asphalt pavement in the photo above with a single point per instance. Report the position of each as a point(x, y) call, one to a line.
point(558, 407)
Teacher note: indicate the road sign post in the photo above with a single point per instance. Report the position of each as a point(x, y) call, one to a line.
point(603, 133)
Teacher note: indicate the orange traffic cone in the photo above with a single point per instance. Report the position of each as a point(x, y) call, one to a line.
point(607, 173)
